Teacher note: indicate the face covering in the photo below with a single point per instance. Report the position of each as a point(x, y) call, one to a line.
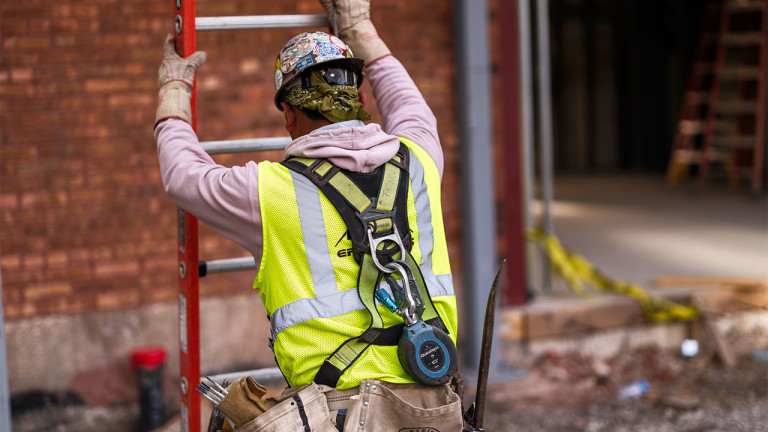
point(337, 103)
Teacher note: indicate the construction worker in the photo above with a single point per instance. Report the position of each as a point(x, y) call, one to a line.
point(353, 214)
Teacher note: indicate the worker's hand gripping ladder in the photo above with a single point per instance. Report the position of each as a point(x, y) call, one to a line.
point(190, 269)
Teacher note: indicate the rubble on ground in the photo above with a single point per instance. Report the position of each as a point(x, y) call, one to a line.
point(572, 392)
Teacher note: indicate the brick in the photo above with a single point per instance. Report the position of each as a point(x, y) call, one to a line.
point(33, 261)
point(71, 272)
point(47, 290)
point(21, 75)
point(66, 305)
point(117, 300)
point(57, 258)
point(106, 85)
point(10, 262)
point(120, 268)
point(9, 201)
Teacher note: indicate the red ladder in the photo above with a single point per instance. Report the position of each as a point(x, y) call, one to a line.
point(186, 24)
point(730, 129)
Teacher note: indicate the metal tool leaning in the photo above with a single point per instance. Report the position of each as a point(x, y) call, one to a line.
point(347, 231)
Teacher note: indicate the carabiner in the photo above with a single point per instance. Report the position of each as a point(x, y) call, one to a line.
point(409, 314)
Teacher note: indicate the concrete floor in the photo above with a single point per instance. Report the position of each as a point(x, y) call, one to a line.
point(637, 228)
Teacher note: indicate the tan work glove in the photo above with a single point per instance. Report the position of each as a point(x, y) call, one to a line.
point(175, 79)
point(352, 18)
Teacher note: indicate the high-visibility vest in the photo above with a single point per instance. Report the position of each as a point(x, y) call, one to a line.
point(308, 275)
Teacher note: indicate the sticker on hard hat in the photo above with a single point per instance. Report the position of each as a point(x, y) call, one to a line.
point(278, 78)
point(304, 62)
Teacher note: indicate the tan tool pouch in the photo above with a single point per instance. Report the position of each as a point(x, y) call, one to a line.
point(304, 410)
point(394, 407)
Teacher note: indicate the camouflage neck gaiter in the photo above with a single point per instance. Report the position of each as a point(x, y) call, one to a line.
point(336, 103)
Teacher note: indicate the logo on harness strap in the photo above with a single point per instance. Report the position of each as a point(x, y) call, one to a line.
point(419, 429)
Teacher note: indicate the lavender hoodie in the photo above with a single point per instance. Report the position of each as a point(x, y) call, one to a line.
point(227, 200)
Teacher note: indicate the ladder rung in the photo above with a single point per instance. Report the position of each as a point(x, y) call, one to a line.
point(691, 127)
point(261, 375)
point(245, 145)
point(734, 142)
point(226, 265)
point(740, 72)
point(736, 106)
point(743, 38)
point(686, 156)
point(260, 22)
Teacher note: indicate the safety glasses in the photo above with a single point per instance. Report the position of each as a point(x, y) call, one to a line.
point(333, 76)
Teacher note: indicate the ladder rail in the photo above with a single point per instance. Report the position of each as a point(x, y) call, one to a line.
point(186, 25)
point(189, 293)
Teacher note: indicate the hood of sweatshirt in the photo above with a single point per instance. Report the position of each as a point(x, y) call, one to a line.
point(356, 148)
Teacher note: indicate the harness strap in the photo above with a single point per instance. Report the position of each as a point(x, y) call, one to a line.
point(349, 193)
point(359, 212)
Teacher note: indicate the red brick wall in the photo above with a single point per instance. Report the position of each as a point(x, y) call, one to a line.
point(85, 224)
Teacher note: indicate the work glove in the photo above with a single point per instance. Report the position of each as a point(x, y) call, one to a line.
point(352, 18)
point(175, 79)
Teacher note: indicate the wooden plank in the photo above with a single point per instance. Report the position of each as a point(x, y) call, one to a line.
point(548, 319)
point(557, 317)
point(736, 298)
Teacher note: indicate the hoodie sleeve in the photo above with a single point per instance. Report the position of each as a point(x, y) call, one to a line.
point(225, 199)
point(403, 109)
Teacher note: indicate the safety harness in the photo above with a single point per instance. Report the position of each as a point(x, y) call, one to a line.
point(374, 209)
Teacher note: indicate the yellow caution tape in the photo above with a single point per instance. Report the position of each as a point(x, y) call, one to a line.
point(578, 272)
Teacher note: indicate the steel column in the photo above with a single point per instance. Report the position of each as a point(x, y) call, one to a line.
point(479, 258)
point(545, 126)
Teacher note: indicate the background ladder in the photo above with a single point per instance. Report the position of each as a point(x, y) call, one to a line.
point(190, 268)
point(723, 120)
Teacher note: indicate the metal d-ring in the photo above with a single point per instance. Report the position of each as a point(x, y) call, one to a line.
point(374, 244)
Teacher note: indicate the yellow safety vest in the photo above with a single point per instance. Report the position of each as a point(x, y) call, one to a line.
point(308, 276)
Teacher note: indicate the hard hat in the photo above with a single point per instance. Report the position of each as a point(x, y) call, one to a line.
point(311, 49)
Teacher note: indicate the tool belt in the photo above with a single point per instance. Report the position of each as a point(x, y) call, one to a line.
point(373, 406)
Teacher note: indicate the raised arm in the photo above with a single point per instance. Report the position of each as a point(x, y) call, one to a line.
point(405, 112)
point(403, 109)
point(225, 199)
